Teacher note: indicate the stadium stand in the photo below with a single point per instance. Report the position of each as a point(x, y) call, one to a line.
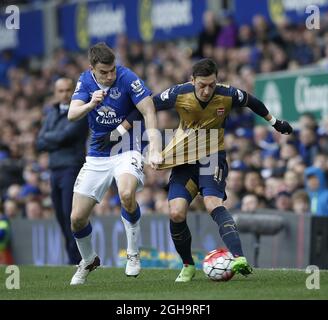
point(260, 157)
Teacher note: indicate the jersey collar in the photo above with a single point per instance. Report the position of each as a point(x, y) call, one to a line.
point(202, 103)
point(98, 84)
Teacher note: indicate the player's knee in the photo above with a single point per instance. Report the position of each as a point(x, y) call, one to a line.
point(209, 207)
point(177, 214)
point(212, 202)
point(77, 222)
point(128, 200)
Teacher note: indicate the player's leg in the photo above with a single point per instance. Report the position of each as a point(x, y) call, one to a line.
point(82, 231)
point(129, 176)
point(81, 226)
point(130, 214)
point(181, 236)
point(212, 187)
point(92, 182)
point(182, 190)
point(228, 232)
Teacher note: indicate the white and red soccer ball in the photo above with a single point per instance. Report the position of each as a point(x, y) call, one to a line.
point(217, 265)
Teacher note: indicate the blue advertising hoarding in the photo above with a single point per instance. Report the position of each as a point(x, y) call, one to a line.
point(82, 24)
point(275, 10)
point(28, 38)
point(168, 19)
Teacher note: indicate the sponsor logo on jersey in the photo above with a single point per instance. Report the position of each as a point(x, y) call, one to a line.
point(106, 111)
point(107, 115)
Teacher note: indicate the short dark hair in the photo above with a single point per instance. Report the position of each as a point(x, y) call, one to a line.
point(101, 53)
point(204, 68)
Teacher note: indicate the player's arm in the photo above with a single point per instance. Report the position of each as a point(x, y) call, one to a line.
point(244, 99)
point(111, 138)
point(147, 109)
point(135, 115)
point(166, 100)
point(160, 104)
point(79, 108)
point(162, 101)
point(148, 106)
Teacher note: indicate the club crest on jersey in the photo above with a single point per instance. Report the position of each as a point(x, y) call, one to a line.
point(220, 112)
point(114, 93)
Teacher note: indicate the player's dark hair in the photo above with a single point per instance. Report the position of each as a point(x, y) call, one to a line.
point(204, 68)
point(101, 53)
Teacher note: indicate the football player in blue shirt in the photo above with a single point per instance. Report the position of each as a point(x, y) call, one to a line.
point(107, 93)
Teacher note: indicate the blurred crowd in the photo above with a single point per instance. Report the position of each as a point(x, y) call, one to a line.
point(267, 170)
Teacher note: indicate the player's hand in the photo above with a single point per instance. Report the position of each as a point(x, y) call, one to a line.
point(283, 127)
point(154, 159)
point(97, 97)
point(109, 140)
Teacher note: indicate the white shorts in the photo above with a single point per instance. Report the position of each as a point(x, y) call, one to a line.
point(97, 173)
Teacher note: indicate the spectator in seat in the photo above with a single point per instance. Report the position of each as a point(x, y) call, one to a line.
point(316, 188)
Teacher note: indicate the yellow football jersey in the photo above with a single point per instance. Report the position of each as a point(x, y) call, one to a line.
point(201, 128)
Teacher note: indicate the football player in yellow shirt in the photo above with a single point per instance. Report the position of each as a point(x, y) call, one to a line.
point(197, 157)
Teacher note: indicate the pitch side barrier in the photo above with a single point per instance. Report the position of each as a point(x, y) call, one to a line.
point(270, 239)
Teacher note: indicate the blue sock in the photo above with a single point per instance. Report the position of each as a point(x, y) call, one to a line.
point(131, 217)
point(84, 232)
point(228, 230)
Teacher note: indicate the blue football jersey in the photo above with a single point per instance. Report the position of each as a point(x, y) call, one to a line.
point(121, 98)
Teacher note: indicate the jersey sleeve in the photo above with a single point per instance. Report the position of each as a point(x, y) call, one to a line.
point(239, 97)
point(81, 91)
point(166, 100)
point(136, 88)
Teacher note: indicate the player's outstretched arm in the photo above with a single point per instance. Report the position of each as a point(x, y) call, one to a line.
point(146, 107)
point(260, 109)
point(280, 125)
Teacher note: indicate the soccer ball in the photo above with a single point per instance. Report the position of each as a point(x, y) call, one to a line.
point(217, 265)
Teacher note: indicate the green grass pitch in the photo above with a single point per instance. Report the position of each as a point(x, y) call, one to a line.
point(158, 284)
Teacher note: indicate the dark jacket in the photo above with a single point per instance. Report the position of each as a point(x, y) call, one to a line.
point(64, 140)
